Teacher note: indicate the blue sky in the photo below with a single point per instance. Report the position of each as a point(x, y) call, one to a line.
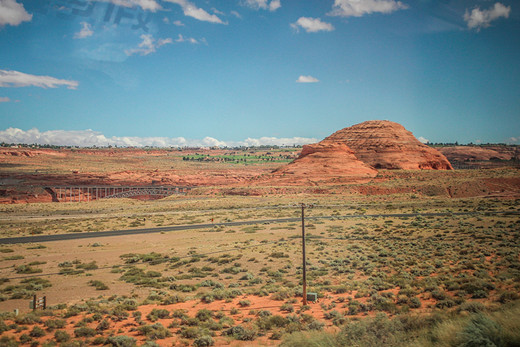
point(189, 72)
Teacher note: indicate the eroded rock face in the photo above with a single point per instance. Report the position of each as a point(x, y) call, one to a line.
point(325, 162)
point(388, 145)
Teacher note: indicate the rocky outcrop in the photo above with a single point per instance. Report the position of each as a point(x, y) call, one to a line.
point(324, 163)
point(480, 153)
point(388, 145)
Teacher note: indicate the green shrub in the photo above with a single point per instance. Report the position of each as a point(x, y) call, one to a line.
point(155, 331)
point(52, 324)
point(121, 341)
point(156, 314)
point(203, 341)
point(103, 325)
point(480, 331)
point(61, 336)
point(241, 333)
point(7, 341)
point(85, 332)
point(98, 285)
point(37, 332)
point(204, 315)
point(244, 303)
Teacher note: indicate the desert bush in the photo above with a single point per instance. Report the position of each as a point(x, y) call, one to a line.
point(61, 336)
point(156, 314)
point(100, 340)
point(29, 318)
point(241, 333)
point(203, 341)
point(27, 269)
point(88, 266)
point(85, 332)
point(244, 303)
point(298, 339)
point(204, 315)
point(415, 302)
point(8, 341)
point(480, 331)
point(25, 339)
point(472, 307)
point(98, 285)
point(129, 305)
point(103, 325)
point(155, 331)
point(119, 313)
point(121, 341)
point(52, 324)
point(508, 296)
point(37, 332)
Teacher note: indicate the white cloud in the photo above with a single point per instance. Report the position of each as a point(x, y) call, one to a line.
point(359, 8)
point(513, 140)
point(307, 79)
point(86, 31)
point(236, 14)
point(478, 19)
point(148, 45)
point(312, 25)
point(88, 138)
point(181, 39)
point(4, 99)
point(423, 140)
point(19, 79)
point(191, 10)
point(178, 23)
point(13, 13)
point(263, 4)
point(147, 5)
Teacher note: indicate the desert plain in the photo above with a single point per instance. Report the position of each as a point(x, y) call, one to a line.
point(406, 245)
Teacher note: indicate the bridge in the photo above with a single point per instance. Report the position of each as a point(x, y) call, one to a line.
point(89, 193)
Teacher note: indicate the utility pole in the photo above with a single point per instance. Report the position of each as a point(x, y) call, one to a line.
point(303, 254)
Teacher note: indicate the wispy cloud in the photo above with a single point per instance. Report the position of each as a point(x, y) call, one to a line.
point(236, 14)
point(478, 19)
point(88, 138)
point(358, 8)
point(147, 5)
point(181, 39)
point(4, 99)
point(311, 25)
point(307, 79)
point(86, 31)
point(148, 45)
point(193, 11)
point(272, 5)
point(10, 78)
point(13, 13)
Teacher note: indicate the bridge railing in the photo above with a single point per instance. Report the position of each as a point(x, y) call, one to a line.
point(89, 193)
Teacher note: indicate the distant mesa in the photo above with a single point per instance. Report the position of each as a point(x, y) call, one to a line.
point(354, 154)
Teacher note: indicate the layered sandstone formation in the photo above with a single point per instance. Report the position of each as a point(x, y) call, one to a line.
point(480, 153)
point(388, 145)
point(319, 162)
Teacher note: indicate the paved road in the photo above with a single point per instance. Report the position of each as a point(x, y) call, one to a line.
point(76, 236)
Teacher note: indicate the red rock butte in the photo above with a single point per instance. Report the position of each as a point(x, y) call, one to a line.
point(388, 145)
point(325, 163)
point(355, 154)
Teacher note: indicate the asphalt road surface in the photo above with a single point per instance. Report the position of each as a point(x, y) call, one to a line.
point(76, 236)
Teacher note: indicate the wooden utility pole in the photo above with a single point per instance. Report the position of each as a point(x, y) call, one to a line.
point(303, 255)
